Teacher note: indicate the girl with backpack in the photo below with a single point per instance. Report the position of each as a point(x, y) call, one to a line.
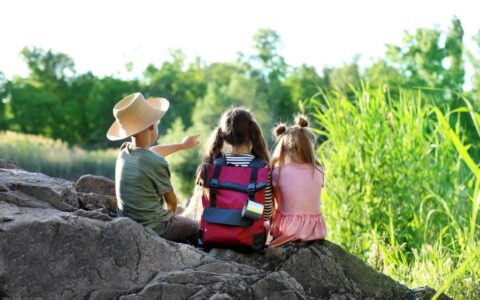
point(237, 191)
point(298, 180)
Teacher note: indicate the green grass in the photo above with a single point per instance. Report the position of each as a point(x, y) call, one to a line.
point(402, 189)
point(54, 157)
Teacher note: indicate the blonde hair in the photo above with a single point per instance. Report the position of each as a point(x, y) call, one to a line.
point(298, 140)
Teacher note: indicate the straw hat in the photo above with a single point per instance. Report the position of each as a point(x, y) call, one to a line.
point(134, 114)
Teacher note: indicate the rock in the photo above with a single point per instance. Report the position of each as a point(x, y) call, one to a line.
point(97, 215)
point(59, 243)
point(95, 184)
point(278, 285)
point(52, 254)
point(323, 269)
point(93, 201)
point(23, 188)
point(97, 192)
point(8, 164)
point(426, 293)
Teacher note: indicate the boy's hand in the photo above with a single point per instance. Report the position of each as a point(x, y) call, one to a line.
point(191, 141)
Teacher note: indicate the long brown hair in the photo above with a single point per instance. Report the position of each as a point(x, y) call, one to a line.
point(237, 127)
point(297, 140)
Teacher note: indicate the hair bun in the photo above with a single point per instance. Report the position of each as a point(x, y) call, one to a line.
point(280, 129)
point(301, 121)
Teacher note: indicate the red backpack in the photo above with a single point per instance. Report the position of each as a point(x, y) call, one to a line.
point(222, 223)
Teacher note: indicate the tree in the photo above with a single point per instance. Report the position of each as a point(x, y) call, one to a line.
point(51, 74)
point(343, 78)
point(238, 91)
point(268, 68)
point(304, 83)
point(431, 64)
point(474, 59)
point(35, 110)
point(103, 96)
point(381, 72)
point(453, 61)
point(267, 43)
point(77, 112)
point(182, 85)
point(3, 100)
point(49, 69)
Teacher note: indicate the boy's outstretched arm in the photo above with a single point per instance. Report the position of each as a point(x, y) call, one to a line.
point(187, 143)
point(171, 200)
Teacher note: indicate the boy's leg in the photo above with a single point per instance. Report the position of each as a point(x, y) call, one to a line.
point(182, 229)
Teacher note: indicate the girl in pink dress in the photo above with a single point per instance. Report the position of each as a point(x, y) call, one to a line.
point(297, 181)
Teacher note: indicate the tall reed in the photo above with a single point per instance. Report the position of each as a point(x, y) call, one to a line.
point(400, 189)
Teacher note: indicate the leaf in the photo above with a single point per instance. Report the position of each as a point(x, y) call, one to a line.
point(462, 150)
point(475, 116)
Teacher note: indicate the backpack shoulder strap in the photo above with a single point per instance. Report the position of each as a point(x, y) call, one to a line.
point(258, 163)
point(219, 161)
point(213, 184)
point(255, 164)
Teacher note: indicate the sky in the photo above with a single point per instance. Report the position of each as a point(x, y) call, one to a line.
point(103, 36)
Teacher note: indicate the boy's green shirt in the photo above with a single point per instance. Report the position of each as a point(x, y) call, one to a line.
point(142, 177)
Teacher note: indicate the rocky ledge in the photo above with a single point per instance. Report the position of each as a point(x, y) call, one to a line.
point(61, 240)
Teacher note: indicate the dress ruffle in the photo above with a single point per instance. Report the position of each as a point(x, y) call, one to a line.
point(297, 227)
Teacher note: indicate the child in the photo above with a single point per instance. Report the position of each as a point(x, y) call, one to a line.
point(142, 176)
point(236, 142)
point(297, 181)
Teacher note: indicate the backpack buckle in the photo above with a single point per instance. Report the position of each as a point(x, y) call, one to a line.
point(214, 183)
point(251, 188)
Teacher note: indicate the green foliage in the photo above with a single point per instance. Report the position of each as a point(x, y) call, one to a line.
point(268, 68)
point(343, 78)
point(3, 100)
point(35, 109)
point(474, 59)
point(432, 60)
point(98, 105)
point(452, 267)
point(79, 107)
point(183, 164)
point(304, 83)
point(382, 74)
point(399, 180)
point(49, 69)
point(182, 86)
point(387, 159)
point(239, 90)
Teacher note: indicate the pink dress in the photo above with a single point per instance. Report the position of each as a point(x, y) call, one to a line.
point(297, 214)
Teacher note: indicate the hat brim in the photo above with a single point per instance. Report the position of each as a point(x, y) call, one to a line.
point(159, 106)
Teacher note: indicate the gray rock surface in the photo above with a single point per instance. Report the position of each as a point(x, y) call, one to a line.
point(59, 243)
point(95, 184)
point(27, 189)
point(8, 164)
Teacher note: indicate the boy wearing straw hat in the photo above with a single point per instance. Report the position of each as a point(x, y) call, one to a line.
point(142, 176)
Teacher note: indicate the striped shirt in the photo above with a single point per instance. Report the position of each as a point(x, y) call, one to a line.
point(243, 160)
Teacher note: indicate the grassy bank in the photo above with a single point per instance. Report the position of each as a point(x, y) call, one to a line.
point(54, 157)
